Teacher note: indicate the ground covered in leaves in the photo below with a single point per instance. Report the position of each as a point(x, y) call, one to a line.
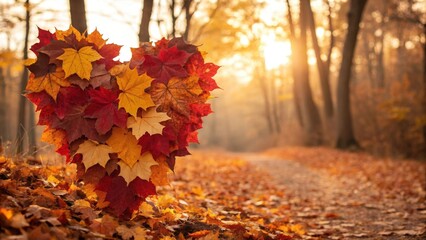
point(293, 193)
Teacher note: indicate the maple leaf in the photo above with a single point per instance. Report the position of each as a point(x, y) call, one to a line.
point(177, 95)
point(150, 122)
point(136, 232)
point(94, 153)
point(133, 95)
point(68, 98)
point(103, 105)
point(61, 35)
point(51, 82)
point(40, 99)
point(125, 144)
point(105, 225)
point(77, 125)
point(141, 169)
point(205, 71)
point(45, 37)
point(95, 37)
point(56, 137)
point(157, 144)
point(159, 173)
point(109, 52)
point(119, 195)
point(168, 64)
point(79, 61)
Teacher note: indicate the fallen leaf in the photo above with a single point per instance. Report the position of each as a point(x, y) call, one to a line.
point(79, 61)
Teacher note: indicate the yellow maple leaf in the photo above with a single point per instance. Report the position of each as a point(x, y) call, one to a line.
point(51, 82)
point(146, 210)
point(94, 153)
point(95, 37)
point(125, 144)
point(60, 35)
point(79, 61)
point(141, 169)
point(136, 232)
point(149, 122)
point(133, 95)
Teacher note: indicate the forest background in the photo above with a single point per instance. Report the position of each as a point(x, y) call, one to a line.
point(292, 72)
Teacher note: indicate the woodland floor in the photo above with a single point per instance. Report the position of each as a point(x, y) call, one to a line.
point(286, 193)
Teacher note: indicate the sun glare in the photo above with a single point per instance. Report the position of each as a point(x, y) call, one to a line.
point(277, 53)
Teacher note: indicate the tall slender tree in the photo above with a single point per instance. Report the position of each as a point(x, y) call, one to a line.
point(145, 20)
point(345, 134)
point(322, 65)
point(23, 103)
point(308, 110)
point(78, 14)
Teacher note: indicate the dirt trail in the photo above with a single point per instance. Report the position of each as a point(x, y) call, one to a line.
point(334, 207)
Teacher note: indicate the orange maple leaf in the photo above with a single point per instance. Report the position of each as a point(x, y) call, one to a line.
point(56, 137)
point(133, 95)
point(95, 37)
point(51, 82)
point(60, 35)
point(177, 94)
point(159, 173)
point(79, 61)
point(125, 144)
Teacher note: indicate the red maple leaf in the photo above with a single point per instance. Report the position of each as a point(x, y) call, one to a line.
point(68, 98)
point(70, 111)
point(169, 63)
point(109, 52)
point(156, 144)
point(45, 38)
point(124, 199)
point(205, 71)
point(103, 105)
point(40, 99)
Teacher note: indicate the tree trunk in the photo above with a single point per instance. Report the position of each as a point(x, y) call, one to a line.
point(321, 65)
point(146, 18)
point(265, 95)
point(78, 15)
point(173, 16)
point(345, 135)
point(309, 109)
point(22, 101)
point(3, 111)
point(293, 41)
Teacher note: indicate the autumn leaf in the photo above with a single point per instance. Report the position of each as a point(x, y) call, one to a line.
point(94, 153)
point(150, 122)
point(95, 37)
point(53, 136)
point(177, 95)
point(103, 105)
point(125, 144)
point(133, 95)
point(45, 37)
point(137, 233)
point(105, 225)
point(168, 64)
point(141, 169)
point(79, 61)
point(159, 173)
point(60, 35)
point(51, 82)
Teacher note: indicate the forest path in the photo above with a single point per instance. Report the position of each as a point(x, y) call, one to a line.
point(342, 207)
